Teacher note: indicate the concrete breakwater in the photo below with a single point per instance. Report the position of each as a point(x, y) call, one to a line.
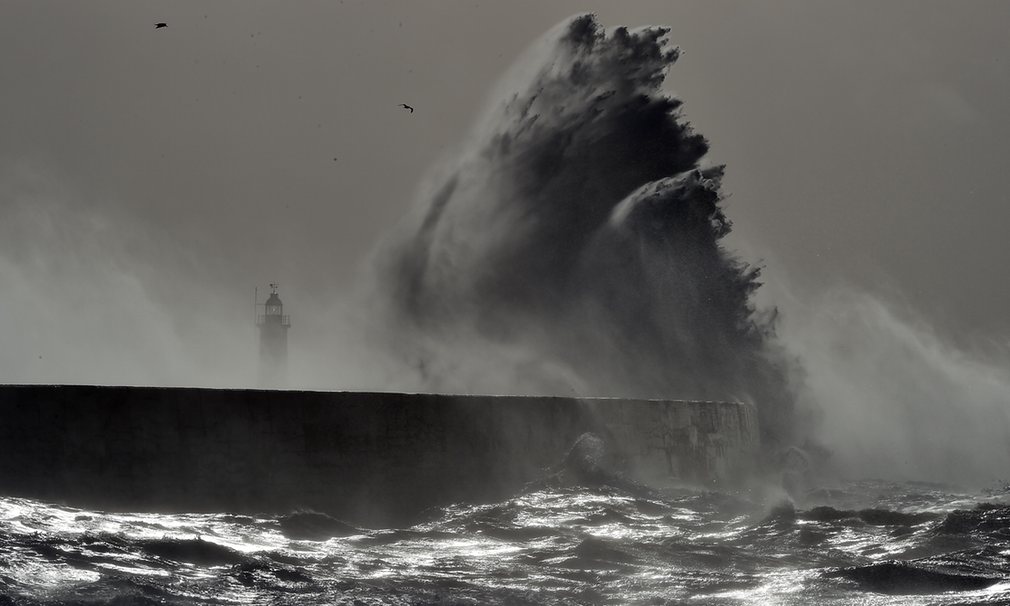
point(372, 458)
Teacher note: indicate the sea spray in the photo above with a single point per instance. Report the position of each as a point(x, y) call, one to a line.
point(575, 244)
point(894, 399)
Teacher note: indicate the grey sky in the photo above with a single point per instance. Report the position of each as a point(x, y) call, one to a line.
point(255, 140)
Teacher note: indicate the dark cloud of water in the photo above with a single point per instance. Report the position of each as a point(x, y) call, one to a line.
point(575, 245)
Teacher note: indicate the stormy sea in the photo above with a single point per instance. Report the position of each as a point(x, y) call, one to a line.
point(870, 542)
point(574, 247)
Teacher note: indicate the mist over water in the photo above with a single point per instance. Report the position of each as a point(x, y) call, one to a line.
point(93, 297)
point(893, 399)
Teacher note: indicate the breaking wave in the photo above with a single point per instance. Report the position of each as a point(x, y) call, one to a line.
point(575, 244)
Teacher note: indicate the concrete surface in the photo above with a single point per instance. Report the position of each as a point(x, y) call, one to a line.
point(372, 458)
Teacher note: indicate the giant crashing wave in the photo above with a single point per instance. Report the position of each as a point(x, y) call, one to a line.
point(574, 245)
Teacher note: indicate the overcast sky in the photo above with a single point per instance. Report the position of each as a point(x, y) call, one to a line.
point(255, 140)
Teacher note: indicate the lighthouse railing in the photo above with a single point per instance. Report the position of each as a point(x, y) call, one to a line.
point(262, 319)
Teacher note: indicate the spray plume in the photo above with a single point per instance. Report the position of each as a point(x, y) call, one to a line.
point(575, 244)
point(893, 399)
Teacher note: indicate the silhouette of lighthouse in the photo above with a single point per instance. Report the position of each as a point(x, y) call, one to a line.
point(273, 325)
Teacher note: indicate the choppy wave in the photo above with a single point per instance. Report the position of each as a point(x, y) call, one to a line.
point(871, 543)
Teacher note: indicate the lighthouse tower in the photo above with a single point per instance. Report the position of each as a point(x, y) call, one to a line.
point(273, 325)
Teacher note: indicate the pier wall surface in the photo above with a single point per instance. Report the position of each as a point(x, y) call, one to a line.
point(372, 458)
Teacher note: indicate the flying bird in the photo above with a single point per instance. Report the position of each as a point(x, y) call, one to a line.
point(160, 25)
point(405, 106)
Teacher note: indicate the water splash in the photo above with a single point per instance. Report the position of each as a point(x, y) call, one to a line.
point(575, 245)
point(896, 400)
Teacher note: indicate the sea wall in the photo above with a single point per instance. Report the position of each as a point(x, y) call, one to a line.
point(368, 457)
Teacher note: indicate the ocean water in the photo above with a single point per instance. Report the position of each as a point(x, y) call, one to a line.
point(868, 542)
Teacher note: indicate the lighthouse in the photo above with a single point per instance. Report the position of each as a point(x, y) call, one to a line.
point(273, 325)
